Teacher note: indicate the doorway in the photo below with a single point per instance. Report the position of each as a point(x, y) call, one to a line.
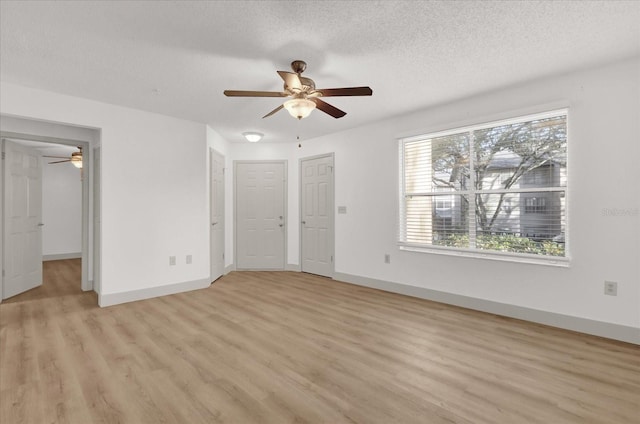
point(316, 212)
point(25, 139)
point(260, 218)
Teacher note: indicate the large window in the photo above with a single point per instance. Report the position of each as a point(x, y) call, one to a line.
point(498, 187)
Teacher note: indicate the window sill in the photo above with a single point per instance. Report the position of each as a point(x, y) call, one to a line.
point(562, 262)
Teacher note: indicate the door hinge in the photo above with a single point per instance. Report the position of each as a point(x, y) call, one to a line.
point(3, 155)
point(223, 256)
point(331, 258)
point(3, 272)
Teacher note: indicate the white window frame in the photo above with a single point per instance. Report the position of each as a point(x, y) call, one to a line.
point(561, 261)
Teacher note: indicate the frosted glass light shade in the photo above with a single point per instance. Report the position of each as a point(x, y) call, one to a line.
point(76, 159)
point(252, 137)
point(299, 108)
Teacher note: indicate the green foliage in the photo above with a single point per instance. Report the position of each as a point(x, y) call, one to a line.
point(504, 243)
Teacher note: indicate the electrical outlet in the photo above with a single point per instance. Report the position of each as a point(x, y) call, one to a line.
point(189, 259)
point(611, 288)
point(172, 260)
point(387, 258)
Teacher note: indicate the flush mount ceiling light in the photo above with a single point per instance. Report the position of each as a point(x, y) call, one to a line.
point(253, 137)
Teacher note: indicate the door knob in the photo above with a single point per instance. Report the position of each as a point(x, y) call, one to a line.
point(40, 224)
point(213, 223)
point(280, 225)
point(303, 222)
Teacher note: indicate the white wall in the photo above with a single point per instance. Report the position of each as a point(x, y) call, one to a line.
point(61, 210)
point(154, 196)
point(604, 112)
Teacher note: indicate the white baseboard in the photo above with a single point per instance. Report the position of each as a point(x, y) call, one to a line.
point(583, 325)
point(61, 256)
point(110, 299)
point(287, 267)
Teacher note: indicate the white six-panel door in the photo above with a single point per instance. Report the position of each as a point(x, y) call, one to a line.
point(217, 215)
point(316, 209)
point(22, 219)
point(260, 215)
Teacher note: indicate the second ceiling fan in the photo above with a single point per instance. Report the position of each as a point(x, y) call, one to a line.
point(75, 158)
point(304, 97)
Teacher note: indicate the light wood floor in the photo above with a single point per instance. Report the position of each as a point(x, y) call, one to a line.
point(279, 347)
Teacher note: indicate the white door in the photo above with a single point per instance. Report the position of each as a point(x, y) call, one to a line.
point(22, 219)
point(260, 218)
point(217, 214)
point(316, 211)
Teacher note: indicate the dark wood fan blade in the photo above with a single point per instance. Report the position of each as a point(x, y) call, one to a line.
point(243, 93)
point(328, 109)
point(291, 80)
point(60, 161)
point(56, 157)
point(273, 111)
point(349, 91)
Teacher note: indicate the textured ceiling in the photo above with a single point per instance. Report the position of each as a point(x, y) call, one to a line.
point(176, 57)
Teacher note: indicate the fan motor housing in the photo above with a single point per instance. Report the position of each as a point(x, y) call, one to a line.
point(308, 82)
point(308, 86)
point(298, 66)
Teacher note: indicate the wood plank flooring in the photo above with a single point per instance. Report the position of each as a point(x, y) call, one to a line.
point(283, 347)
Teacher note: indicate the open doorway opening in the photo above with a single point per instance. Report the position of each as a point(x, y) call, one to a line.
point(66, 227)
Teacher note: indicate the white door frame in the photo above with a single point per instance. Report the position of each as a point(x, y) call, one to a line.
point(332, 218)
point(213, 152)
point(286, 205)
point(86, 283)
point(97, 218)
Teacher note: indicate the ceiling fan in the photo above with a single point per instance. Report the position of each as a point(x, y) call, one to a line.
point(75, 158)
point(304, 97)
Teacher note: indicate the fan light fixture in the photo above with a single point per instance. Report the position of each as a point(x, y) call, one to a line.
point(299, 108)
point(253, 137)
point(76, 159)
point(303, 94)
